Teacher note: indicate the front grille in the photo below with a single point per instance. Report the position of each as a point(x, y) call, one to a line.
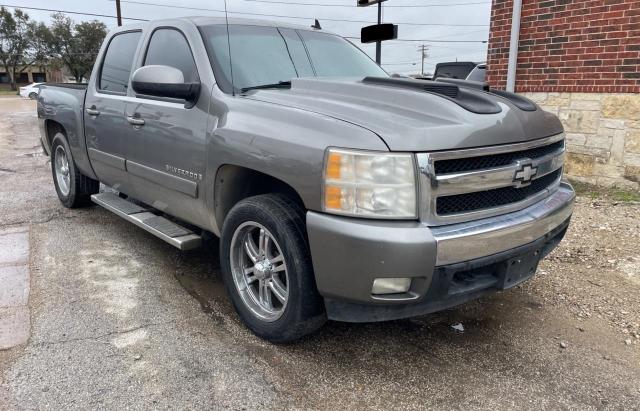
point(481, 200)
point(494, 160)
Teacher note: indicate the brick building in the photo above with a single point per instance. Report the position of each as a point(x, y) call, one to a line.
point(33, 74)
point(580, 60)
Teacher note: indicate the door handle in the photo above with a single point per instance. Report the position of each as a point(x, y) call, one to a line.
point(136, 121)
point(92, 111)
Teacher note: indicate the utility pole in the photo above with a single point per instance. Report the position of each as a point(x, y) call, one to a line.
point(424, 53)
point(118, 13)
point(379, 43)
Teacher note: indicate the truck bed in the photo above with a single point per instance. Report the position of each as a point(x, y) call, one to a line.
point(63, 104)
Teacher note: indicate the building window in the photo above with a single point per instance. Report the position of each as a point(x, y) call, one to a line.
point(39, 77)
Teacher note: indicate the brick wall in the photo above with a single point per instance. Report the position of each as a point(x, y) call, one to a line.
point(568, 46)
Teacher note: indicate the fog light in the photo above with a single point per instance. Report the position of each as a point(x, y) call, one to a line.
point(390, 285)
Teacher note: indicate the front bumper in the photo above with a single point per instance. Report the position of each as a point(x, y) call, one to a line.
point(448, 264)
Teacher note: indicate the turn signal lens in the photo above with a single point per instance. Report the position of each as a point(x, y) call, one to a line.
point(370, 184)
point(333, 197)
point(333, 165)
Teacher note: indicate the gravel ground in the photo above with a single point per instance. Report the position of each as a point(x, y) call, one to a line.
point(121, 320)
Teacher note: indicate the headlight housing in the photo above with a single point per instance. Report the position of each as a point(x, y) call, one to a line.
point(370, 184)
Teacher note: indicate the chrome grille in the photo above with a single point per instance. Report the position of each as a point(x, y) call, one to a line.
point(457, 165)
point(469, 184)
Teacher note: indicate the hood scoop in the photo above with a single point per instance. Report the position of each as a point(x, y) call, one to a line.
point(449, 90)
point(469, 99)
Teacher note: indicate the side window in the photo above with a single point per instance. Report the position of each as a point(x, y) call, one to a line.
point(168, 47)
point(117, 62)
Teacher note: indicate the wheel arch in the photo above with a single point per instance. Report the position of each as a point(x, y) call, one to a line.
point(234, 183)
point(52, 127)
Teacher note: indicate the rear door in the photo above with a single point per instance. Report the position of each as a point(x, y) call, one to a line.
point(104, 120)
point(167, 138)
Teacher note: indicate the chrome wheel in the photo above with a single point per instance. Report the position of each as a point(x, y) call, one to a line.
point(61, 164)
point(259, 271)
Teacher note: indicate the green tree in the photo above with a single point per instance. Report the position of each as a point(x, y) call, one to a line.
point(22, 43)
point(76, 45)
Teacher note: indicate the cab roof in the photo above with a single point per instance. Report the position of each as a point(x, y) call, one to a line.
point(208, 20)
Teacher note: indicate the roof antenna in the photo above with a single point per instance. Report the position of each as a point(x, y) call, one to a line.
point(316, 25)
point(226, 19)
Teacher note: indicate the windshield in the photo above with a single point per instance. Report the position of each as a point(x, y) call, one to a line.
point(269, 55)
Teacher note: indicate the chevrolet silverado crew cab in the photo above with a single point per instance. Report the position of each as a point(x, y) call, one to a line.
point(338, 192)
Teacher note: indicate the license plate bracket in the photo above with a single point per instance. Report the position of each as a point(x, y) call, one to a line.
point(520, 268)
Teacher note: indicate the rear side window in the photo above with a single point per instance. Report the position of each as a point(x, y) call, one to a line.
point(116, 66)
point(478, 74)
point(168, 47)
point(457, 71)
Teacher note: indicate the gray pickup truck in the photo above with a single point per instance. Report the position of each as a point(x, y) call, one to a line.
point(337, 191)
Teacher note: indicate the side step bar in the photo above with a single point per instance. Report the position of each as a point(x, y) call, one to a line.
point(174, 234)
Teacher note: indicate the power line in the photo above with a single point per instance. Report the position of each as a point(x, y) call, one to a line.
point(138, 19)
point(292, 17)
point(69, 12)
point(406, 63)
point(350, 5)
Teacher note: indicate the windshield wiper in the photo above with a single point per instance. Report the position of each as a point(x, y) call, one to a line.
point(280, 84)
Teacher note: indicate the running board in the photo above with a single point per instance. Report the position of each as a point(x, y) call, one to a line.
point(165, 229)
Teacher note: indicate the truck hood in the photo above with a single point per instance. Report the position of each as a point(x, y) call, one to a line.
point(411, 119)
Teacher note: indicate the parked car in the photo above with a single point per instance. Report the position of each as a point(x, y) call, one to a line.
point(463, 70)
point(338, 192)
point(30, 91)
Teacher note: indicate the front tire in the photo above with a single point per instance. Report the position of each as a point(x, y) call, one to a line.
point(267, 268)
point(73, 189)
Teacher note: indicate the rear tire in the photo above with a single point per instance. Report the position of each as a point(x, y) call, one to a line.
point(271, 281)
point(73, 189)
point(33, 96)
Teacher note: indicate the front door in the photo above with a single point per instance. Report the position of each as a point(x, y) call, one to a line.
point(166, 138)
point(105, 104)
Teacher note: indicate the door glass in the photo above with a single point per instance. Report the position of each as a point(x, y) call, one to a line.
point(168, 47)
point(116, 65)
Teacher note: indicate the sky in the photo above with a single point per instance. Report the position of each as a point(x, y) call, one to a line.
point(464, 21)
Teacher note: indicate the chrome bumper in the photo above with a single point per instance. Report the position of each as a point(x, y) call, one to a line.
point(481, 238)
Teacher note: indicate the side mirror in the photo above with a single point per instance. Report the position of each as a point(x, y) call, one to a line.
point(164, 81)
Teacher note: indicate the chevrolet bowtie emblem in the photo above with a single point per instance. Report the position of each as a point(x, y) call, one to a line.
point(524, 173)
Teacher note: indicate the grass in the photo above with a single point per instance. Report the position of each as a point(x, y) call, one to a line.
point(626, 196)
point(6, 92)
point(595, 192)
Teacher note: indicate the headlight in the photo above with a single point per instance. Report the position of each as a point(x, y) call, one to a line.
point(369, 184)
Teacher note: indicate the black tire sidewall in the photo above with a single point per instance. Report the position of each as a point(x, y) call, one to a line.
point(304, 312)
point(69, 199)
point(33, 96)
